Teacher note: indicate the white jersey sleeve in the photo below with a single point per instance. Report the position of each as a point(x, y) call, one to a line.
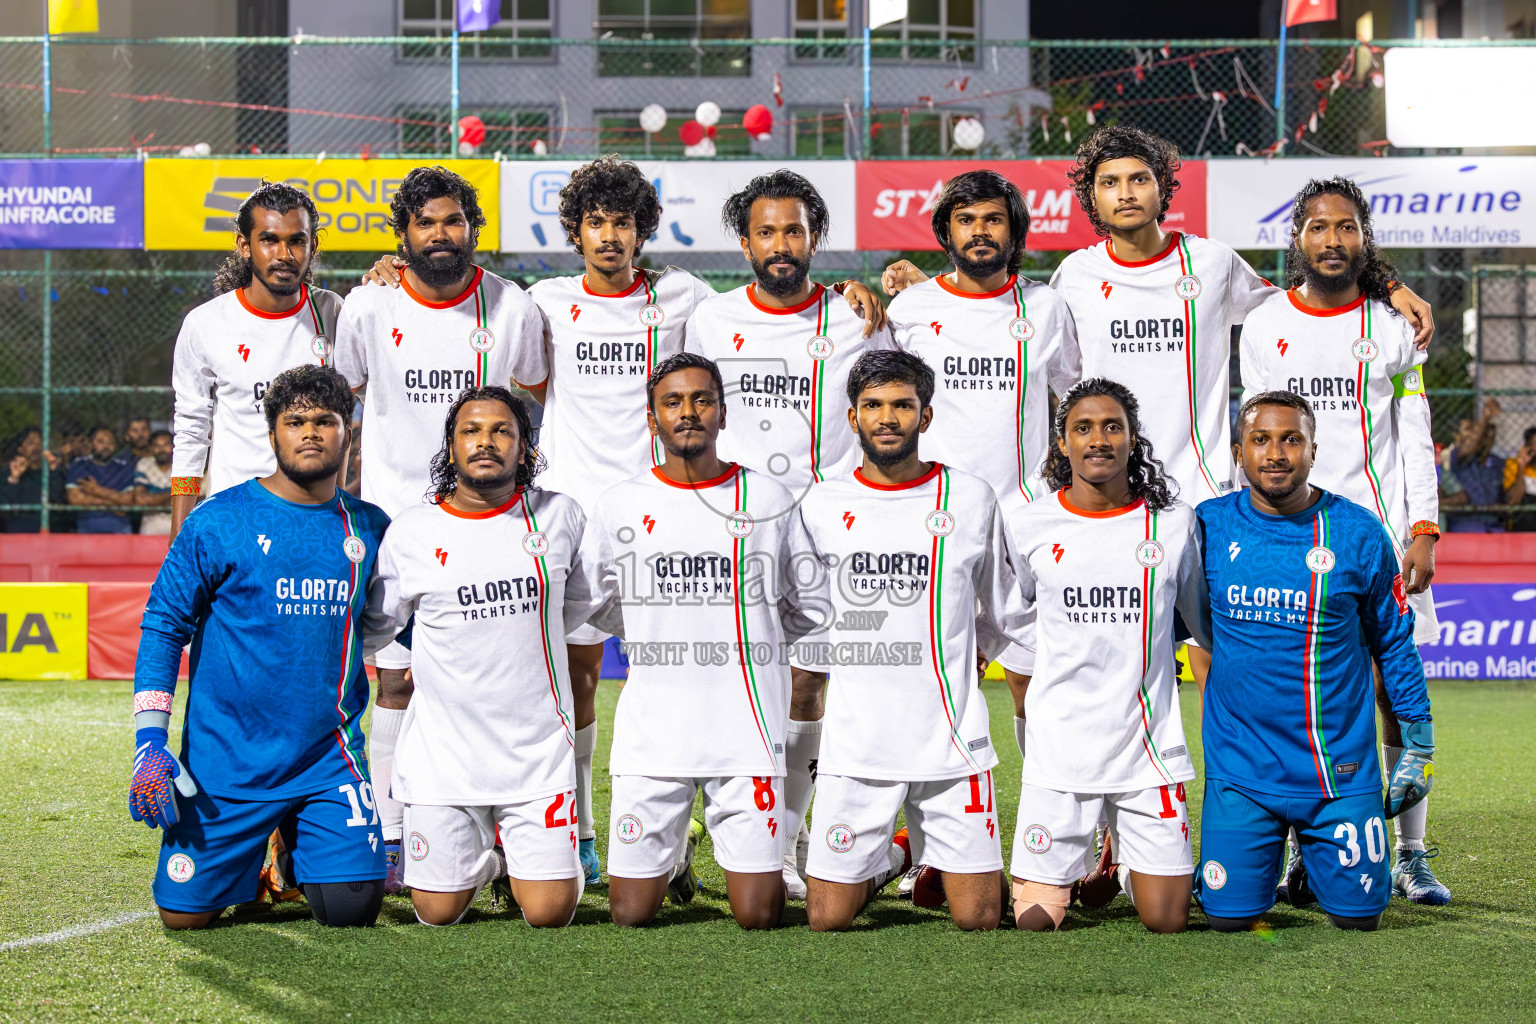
point(1415, 441)
point(1247, 289)
point(351, 353)
point(193, 381)
point(1002, 620)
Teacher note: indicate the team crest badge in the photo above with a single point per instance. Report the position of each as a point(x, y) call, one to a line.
point(1149, 554)
point(1037, 839)
point(940, 523)
point(179, 868)
point(354, 549)
point(416, 846)
point(1320, 559)
point(840, 838)
point(819, 347)
point(628, 829)
point(1021, 329)
point(1187, 287)
point(320, 346)
point(1412, 381)
point(739, 524)
point(536, 543)
point(1365, 350)
point(1214, 874)
point(651, 315)
point(481, 339)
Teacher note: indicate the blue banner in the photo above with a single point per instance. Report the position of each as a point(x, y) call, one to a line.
point(1487, 631)
point(71, 204)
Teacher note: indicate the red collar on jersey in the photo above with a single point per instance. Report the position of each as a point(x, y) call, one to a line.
point(466, 293)
point(697, 485)
point(303, 301)
point(933, 471)
point(1122, 510)
point(639, 282)
point(1331, 311)
point(943, 280)
point(488, 514)
point(1173, 243)
point(775, 310)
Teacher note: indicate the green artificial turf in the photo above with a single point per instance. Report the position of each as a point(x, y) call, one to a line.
point(70, 857)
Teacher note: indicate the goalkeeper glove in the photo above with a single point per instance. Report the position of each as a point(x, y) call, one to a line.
point(1414, 774)
point(155, 769)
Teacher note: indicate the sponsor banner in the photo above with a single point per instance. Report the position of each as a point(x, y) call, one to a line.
point(896, 201)
point(71, 204)
point(1418, 202)
point(692, 195)
point(42, 630)
point(1487, 631)
point(352, 196)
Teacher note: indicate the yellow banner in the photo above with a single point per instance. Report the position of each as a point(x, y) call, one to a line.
point(72, 16)
point(42, 630)
point(191, 204)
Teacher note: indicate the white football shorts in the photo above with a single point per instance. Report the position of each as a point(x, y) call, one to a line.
point(447, 848)
point(586, 634)
point(1053, 834)
point(951, 823)
point(648, 823)
point(1426, 624)
point(394, 656)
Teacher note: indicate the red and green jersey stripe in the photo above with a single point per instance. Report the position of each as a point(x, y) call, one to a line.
point(743, 633)
point(1192, 367)
point(541, 571)
point(350, 740)
point(936, 624)
point(818, 383)
point(1317, 606)
point(482, 319)
point(1149, 647)
point(319, 322)
point(1367, 427)
point(1021, 388)
point(652, 348)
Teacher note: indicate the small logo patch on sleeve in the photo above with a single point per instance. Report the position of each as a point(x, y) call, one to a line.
point(1347, 768)
point(977, 744)
point(1178, 751)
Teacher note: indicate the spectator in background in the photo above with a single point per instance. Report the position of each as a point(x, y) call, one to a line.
point(23, 483)
point(1520, 483)
point(99, 481)
point(137, 439)
point(152, 483)
point(1477, 472)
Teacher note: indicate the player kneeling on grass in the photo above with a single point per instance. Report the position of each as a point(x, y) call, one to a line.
point(1305, 591)
point(1105, 561)
point(492, 572)
point(916, 559)
point(267, 580)
point(699, 558)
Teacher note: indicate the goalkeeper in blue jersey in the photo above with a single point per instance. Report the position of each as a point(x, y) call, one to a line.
point(268, 581)
point(1305, 592)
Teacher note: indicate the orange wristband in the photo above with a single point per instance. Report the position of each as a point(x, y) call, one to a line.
point(1426, 528)
point(186, 485)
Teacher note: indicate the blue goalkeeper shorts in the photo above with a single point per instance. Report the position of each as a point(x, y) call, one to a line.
point(212, 858)
point(1242, 840)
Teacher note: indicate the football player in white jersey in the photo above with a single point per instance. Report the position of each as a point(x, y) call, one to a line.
point(450, 326)
point(1334, 340)
point(784, 345)
point(491, 578)
point(698, 557)
point(1104, 564)
point(916, 556)
point(266, 319)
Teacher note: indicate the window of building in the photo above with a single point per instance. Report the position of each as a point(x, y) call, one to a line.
point(915, 133)
point(701, 22)
point(619, 132)
point(521, 34)
point(927, 22)
point(512, 130)
point(821, 134)
point(823, 25)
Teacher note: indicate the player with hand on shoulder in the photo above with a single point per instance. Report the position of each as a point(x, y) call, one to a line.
point(917, 553)
point(491, 577)
point(1104, 564)
point(267, 580)
point(449, 326)
point(1335, 340)
point(698, 557)
point(266, 318)
point(1305, 594)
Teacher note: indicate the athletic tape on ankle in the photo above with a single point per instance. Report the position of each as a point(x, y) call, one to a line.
point(1053, 899)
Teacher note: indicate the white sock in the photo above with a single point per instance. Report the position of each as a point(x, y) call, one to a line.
point(1412, 823)
point(802, 747)
point(1125, 884)
point(895, 858)
point(586, 743)
point(1018, 733)
point(382, 734)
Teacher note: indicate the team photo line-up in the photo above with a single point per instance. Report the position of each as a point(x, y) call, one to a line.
point(813, 520)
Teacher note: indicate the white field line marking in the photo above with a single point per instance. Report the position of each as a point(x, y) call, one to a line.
point(77, 931)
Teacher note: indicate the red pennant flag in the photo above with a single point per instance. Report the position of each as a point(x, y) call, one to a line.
point(1299, 12)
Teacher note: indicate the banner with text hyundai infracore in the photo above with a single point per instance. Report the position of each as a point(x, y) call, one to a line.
point(1422, 202)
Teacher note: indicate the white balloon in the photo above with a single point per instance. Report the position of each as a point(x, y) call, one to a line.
point(708, 113)
point(653, 118)
point(969, 133)
point(540, 147)
point(202, 149)
point(466, 149)
point(186, 151)
point(703, 148)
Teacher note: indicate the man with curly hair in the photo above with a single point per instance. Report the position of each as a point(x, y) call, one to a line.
point(450, 326)
point(1335, 340)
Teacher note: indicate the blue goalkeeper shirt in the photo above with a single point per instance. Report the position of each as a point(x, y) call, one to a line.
point(1299, 607)
point(271, 595)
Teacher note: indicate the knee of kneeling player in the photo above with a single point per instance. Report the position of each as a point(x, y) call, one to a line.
point(346, 904)
point(1231, 924)
point(550, 917)
point(631, 912)
point(1166, 922)
point(760, 917)
point(1039, 906)
point(1356, 924)
point(822, 918)
point(179, 922)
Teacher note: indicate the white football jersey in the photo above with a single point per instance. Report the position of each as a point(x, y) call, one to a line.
point(993, 356)
point(601, 350)
point(493, 595)
point(918, 576)
point(1358, 367)
point(415, 356)
point(786, 381)
point(227, 353)
point(702, 589)
point(1102, 711)
point(1163, 328)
